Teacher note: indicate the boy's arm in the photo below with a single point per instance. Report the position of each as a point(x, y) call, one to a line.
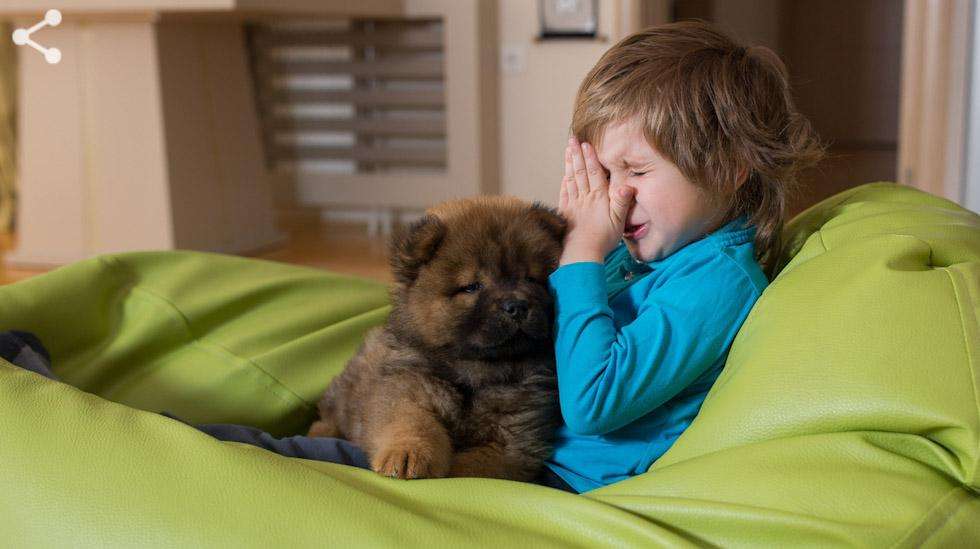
point(609, 378)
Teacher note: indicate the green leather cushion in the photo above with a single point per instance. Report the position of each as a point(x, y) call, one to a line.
point(847, 412)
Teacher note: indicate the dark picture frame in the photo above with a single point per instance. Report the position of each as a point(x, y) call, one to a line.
point(562, 19)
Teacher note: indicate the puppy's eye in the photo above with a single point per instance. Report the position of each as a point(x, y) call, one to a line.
point(532, 280)
point(470, 288)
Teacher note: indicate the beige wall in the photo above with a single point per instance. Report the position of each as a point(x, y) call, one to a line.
point(536, 102)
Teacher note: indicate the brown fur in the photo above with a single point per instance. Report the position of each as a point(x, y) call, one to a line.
point(459, 382)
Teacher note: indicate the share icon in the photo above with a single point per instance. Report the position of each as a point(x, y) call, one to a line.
point(23, 36)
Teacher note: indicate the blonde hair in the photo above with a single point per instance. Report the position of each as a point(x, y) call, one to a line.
point(717, 110)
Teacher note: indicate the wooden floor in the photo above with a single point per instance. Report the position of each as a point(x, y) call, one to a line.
point(337, 247)
point(341, 248)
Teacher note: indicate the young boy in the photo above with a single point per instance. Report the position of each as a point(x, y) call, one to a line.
point(684, 146)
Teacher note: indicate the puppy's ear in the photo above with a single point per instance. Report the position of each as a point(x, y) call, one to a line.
point(550, 220)
point(415, 247)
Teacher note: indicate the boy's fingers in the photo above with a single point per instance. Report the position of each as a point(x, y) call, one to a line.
point(568, 184)
point(620, 199)
point(597, 175)
point(578, 164)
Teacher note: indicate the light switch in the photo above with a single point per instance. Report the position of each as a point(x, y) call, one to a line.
point(513, 58)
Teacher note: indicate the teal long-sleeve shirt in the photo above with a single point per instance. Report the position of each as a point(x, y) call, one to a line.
point(638, 346)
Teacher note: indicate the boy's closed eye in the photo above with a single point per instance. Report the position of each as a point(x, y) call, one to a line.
point(631, 173)
point(637, 169)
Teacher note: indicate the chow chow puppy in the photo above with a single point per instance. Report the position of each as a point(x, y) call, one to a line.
point(460, 381)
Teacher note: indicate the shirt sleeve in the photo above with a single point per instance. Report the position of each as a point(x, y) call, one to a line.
point(608, 378)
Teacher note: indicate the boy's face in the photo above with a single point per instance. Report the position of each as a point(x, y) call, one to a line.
point(668, 210)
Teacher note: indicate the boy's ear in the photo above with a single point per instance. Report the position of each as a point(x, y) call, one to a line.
point(743, 178)
point(414, 247)
point(550, 220)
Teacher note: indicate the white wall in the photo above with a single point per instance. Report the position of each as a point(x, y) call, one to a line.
point(536, 100)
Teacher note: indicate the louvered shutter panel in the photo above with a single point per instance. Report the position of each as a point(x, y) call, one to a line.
point(352, 96)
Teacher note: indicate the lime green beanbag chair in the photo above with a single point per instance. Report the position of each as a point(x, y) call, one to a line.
point(847, 413)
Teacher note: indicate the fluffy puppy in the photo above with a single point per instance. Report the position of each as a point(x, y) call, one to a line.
point(460, 381)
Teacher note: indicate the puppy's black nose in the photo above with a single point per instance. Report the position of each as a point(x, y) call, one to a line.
point(515, 308)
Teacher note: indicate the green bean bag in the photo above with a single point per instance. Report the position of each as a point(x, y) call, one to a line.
point(847, 413)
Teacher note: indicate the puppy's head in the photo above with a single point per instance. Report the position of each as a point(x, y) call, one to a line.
point(471, 277)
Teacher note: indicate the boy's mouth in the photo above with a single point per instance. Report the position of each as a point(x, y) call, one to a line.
point(636, 232)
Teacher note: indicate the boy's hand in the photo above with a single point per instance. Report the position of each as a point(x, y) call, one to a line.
point(596, 217)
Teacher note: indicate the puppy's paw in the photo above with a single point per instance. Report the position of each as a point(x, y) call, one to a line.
point(411, 461)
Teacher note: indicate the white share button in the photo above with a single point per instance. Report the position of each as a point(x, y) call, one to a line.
point(23, 36)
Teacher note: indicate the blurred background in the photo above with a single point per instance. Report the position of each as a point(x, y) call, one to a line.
point(306, 131)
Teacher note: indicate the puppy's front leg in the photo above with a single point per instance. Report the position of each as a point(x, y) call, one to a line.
point(493, 461)
point(526, 415)
point(412, 444)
